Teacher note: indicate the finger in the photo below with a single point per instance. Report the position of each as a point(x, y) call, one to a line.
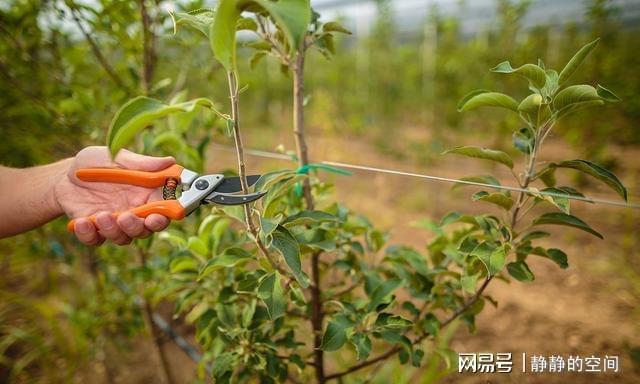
point(131, 160)
point(132, 225)
point(156, 223)
point(86, 232)
point(110, 230)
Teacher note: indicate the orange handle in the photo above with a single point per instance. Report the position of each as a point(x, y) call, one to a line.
point(168, 208)
point(127, 176)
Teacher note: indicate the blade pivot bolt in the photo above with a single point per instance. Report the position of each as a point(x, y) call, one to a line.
point(202, 185)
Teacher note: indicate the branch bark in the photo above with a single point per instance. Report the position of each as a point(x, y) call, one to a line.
point(317, 314)
point(149, 52)
point(298, 124)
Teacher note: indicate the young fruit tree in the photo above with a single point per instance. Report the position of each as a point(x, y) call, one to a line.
point(299, 287)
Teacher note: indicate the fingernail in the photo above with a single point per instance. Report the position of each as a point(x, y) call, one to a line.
point(127, 222)
point(105, 222)
point(83, 227)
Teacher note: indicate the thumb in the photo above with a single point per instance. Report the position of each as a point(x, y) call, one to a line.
point(131, 160)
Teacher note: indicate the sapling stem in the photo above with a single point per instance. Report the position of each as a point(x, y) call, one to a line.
point(317, 314)
point(298, 125)
point(237, 137)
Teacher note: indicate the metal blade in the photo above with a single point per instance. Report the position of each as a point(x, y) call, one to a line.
point(226, 199)
point(233, 185)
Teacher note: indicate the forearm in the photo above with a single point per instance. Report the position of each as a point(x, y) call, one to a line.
point(27, 198)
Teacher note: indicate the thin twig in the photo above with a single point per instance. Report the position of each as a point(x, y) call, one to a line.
point(343, 291)
point(264, 33)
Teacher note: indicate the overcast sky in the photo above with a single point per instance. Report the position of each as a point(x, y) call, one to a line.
point(474, 14)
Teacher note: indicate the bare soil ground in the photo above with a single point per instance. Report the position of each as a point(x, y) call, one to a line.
point(588, 309)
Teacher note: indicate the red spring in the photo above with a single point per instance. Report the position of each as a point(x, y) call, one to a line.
point(169, 189)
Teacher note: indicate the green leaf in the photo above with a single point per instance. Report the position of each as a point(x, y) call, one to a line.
point(308, 218)
point(482, 98)
point(535, 235)
point(551, 85)
point(200, 20)
point(493, 258)
point(292, 16)
point(223, 363)
point(246, 24)
point(206, 225)
point(482, 153)
point(381, 291)
point(139, 113)
point(536, 75)
point(362, 344)
point(576, 60)
point(334, 26)
point(520, 271)
point(548, 176)
point(389, 321)
point(269, 225)
point(256, 58)
point(175, 238)
point(271, 293)
point(222, 35)
point(231, 257)
point(183, 264)
point(169, 140)
point(531, 104)
point(468, 283)
point(574, 98)
point(484, 179)
point(335, 336)
point(260, 45)
point(559, 257)
point(197, 246)
point(297, 295)
point(416, 358)
point(523, 140)
point(596, 171)
point(607, 95)
point(497, 198)
point(559, 201)
point(558, 218)
point(286, 244)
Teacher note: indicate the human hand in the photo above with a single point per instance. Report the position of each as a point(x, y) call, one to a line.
point(79, 199)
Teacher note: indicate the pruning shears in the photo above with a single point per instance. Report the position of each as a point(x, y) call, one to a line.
point(196, 189)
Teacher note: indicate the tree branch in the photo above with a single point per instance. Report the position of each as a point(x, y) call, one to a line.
point(97, 52)
point(149, 53)
point(156, 334)
point(423, 336)
point(344, 291)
